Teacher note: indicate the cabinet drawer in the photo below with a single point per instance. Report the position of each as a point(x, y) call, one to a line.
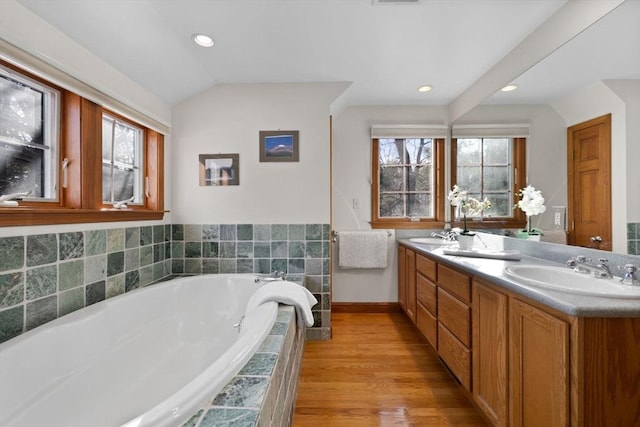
point(428, 325)
point(456, 283)
point(426, 267)
point(455, 315)
point(426, 293)
point(455, 355)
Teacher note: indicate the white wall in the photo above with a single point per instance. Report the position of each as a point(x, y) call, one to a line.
point(592, 101)
point(227, 119)
point(352, 180)
point(629, 92)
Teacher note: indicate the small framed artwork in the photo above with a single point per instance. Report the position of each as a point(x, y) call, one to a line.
point(279, 146)
point(219, 169)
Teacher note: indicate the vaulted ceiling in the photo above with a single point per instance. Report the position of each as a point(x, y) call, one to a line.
point(386, 51)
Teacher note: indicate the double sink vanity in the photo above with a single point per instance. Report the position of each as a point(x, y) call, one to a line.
point(532, 342)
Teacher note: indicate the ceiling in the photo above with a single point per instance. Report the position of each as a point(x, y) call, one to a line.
point(384, 50)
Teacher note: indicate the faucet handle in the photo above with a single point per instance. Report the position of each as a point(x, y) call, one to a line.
point(603, 260)
point(582, 258)
point(630, 277)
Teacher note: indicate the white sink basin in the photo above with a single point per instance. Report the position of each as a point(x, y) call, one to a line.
point(432, 241)
point(566, 280)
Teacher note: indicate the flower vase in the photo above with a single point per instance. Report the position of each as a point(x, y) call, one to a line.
point(465, 241)
point(530, 233)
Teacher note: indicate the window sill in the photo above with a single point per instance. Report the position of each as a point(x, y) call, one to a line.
point(20, 216)
point(406, 224)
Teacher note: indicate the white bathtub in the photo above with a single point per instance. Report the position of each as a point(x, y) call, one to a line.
point(151, 357)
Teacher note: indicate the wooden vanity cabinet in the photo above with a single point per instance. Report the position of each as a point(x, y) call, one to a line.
point(427, 302)
point(407, 281)
point(454, 322)
point(524, 364)
point(490, 352)
point(538, 367)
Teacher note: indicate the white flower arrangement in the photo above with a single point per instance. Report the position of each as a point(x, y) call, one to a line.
point(531, 203)
point(467, 205)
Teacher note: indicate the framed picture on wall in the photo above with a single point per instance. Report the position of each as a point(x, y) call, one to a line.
point(219, 169)
point(279, 146)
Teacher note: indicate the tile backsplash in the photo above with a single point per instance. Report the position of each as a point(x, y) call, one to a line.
point(45, 276)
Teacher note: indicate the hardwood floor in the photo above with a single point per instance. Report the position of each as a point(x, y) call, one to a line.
point(377, 371)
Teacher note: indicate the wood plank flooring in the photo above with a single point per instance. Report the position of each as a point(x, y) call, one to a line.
point(377, 371)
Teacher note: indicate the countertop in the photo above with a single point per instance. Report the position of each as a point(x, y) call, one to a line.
point(492, 270)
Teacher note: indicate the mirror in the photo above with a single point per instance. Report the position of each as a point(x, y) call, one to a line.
point(595, 73)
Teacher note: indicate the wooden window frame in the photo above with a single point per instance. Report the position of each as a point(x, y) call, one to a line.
point(80, 141)
point(519, 170)
point(438, 198)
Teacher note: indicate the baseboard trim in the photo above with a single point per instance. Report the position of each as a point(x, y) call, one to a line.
point(365, 307)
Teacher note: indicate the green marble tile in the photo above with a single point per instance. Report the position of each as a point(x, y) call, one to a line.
point(42, 249)
point(132, 237)
point(115, 263)
point(177, 266)
point(193, 265)
point(41, 281)
point(41, 311)
point(71, 245)
point(177, 232)
point(114, 286)
point(272, 344)
point(95, 268)
point(131, 280)
point(245, 250)
point(279, 249)
point(70, 301)
point(314, 232)
point(115, 240)
point(131, 259)
point(262, 266)
point(95, 242)
point(11, 289)
point(279, 232)
point(146, 235)
point(297, 249)
point(70, 274)
point(177, 249)
point(210, 232)
point(146, 276)
point(11, 323)
point(262, 250)
point(245, 231)
point(193, 421)
point(158, 233)
point(95, 292)
point(210, 266)
point(11, 253)
point(314, 250)
point(260, 364)
point(244, 265)
point(193, 250)
point(227, 249)
point(228, 266)
point(146, 255)
point(228, 232)
point(230, 417)
point(246, 392)
point(296, 232)
point(262, 232)
point(209, 250)
point(296, 266)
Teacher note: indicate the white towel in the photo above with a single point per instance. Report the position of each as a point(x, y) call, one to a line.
point(287, 293)
point(362, 249)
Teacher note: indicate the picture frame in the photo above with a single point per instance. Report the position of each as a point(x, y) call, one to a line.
point(219, 169)
point(279, 146)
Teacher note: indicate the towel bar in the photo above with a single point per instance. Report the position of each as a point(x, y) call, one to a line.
point(334, 235)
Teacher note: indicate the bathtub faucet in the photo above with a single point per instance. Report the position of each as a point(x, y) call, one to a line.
point(276, 275)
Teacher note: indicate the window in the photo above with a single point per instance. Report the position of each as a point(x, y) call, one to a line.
point(490, 167)
point(121, 155)
point(76, 158)
point(29, 117)
point(406, 182)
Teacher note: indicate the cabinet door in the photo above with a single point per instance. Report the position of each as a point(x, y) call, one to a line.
point(489, 329)
point(410, 271)
point(402, 274)
point(538, 367)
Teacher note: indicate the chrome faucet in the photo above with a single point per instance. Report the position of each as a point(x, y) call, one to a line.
point(580, 264)
point(630, 278)
point(276, 275)
point(449, 236)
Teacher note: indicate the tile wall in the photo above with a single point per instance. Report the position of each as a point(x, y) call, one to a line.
point(48, 275)
point(633, 238)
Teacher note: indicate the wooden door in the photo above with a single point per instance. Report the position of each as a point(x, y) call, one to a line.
point(589, 183)
point(490, 379)
point(538, 367)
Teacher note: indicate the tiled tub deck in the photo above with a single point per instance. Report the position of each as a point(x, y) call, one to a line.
point(264, 391)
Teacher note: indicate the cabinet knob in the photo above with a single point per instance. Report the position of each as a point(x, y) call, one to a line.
point(596, 239)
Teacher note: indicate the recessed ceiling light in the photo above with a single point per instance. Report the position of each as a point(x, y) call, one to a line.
point(509, 88)
point(425, 88)
point(202, 40)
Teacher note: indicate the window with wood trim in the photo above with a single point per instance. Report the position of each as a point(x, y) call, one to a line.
point(408, 183)
point(75, 164)
point(492, 168)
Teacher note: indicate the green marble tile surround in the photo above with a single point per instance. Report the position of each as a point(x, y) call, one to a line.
point(47, 275)
point(263, 393)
